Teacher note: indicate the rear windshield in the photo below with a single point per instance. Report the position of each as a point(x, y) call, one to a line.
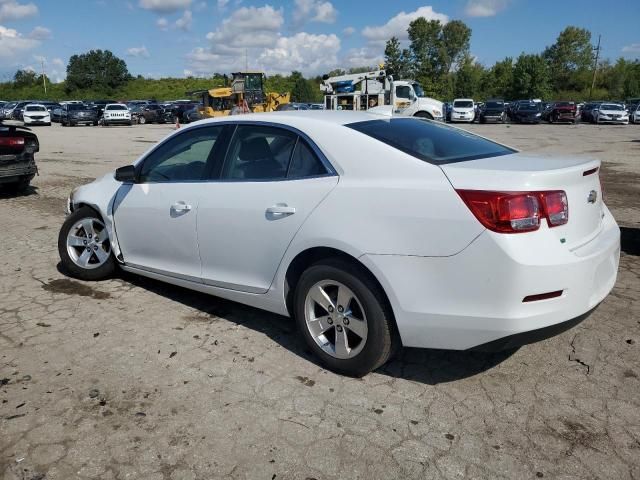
point(35, 108)
point(430, 141)
point(116, 107)
point(463, 104)
point(494, 105)
point(76, 106)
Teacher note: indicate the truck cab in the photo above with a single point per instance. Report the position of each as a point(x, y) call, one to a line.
point(364, 91)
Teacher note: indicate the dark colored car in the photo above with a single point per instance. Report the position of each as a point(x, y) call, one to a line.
point(586, 113)
point(179, 109)
point(192, 115)
point(56, 114)
point(492, 111)
point(17, 111)
point(77, 113)
point(151, 113)
point(98, 106)
point(561, 112)
point(17, 161)
point(526, 113)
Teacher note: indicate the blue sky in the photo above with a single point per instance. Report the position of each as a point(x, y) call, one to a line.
point(198, 37)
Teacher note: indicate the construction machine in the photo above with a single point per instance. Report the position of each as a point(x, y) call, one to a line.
point(245, 95)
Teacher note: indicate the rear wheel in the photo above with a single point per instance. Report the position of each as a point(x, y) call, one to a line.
point(142, 120)
point(343, 317)
point(423, 115)
point(84, 246)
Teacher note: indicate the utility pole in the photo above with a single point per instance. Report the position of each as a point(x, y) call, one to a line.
point(595, 68)
point(44, 79)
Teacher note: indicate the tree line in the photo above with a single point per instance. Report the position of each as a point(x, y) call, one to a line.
point(437, 55)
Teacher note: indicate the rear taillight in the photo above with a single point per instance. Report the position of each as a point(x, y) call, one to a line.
point(14, 142)
point(517, 212)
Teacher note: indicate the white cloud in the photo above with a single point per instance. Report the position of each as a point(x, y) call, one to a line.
point(187, 73)
point(162, 23)
point(247, 27)
point(12, 10)
point(397, 26)
point(58, 62)
point(485, 8)
point(12, 43)
point(40, 33)
point(164, 6)
point(222, 4)
point(633, 48)
point(364, 57)
point(184, 22)
point(140, 52)
point(347, 32)
point(313, 11)
point(303, 51)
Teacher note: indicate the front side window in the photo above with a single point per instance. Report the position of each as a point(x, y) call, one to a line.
point(182, 158)
point(259, 153)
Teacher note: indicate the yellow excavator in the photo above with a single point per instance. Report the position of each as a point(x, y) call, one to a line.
point(245, 95)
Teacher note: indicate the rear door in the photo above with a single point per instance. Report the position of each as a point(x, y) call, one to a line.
point(271, 181)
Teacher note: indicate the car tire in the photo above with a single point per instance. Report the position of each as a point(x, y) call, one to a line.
point(95, 124)
point(20, 186)
point(423, 115)
point(74, 256)
point(368, 310)
point(142, 120)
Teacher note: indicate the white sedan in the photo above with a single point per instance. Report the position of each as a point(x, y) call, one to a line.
point(373, 232)
point(36, 114)
point(611, 113)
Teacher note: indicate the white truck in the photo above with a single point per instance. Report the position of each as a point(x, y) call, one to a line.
point(374, 89)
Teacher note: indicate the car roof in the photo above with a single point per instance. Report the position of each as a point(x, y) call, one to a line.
point(294, 118)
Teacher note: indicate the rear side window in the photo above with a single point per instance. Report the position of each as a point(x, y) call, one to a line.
point(304, 162)
point(430, 141)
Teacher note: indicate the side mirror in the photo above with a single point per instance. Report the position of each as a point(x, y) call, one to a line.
point(126, 174)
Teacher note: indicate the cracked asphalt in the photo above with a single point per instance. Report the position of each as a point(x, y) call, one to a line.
point(134, 379)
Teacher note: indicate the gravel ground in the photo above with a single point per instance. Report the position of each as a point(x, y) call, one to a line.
point(134, 379)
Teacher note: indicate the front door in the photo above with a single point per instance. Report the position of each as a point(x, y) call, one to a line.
point(155, 218)
point(271, 181)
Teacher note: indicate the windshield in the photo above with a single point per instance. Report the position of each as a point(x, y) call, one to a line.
point(610, 106)
point(418, 89)
point(463, 104)
point(565, 104)
point(531, 107)
point(35, 108)
point(431, 142)
point(494, 105)
point(76, 106)
point(116, 107)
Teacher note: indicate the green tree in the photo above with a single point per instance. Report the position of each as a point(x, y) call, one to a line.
point(301, 90)
point(455, 39)
point(397, 60)
point(468, 78)
point(570, 59)
point(25, 78)
point(97, 70)
point(499, 79)
point(531, 78)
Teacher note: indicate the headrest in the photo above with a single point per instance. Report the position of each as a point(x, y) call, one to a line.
point(255, 149)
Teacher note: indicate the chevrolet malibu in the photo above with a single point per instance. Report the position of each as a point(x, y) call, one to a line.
point(372, 232)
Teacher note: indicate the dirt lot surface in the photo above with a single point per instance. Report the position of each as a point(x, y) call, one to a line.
point(134, 379)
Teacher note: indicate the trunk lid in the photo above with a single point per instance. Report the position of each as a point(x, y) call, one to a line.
point(578, 177)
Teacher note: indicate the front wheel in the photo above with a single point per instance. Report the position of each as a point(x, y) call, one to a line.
point(423, 115)
point(142, 120)
point(84, 246)
point(343, 317)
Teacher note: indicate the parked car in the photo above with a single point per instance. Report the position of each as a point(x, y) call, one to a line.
point(192, 115)
point(462, 110)
point(36, 114)
point(16, 113)
point(56, 114)
point(611, 113)
point(18, 146)
point(77, 113)
point(179, 108)
point(443, 248)
point(528, 112)
point(116, 114)
point(634, 113)
point(151, 113)
point(586, 113)
point(492, 111)
point(7, 108)
point(561, 112)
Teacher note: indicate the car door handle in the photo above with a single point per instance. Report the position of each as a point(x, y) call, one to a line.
point(281, 210)
point(180, 207)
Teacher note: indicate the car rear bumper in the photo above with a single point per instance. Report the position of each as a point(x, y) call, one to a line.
point(476, 297)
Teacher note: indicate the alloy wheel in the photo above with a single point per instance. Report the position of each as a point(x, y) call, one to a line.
point(335, 319)
point(88, 243)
